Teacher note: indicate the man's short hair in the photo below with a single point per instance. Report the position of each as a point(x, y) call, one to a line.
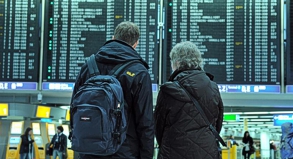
point(60, 128)
point(185, 55)
point(127, 32)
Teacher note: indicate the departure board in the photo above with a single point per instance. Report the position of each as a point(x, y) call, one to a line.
point(239, 40)
point(75, 29)
point(289, 45)
point(19, 44)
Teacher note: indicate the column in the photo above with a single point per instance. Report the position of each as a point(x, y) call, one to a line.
point(265, 145)
point(245, 123)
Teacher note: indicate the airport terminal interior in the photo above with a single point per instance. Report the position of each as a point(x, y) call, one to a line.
point(245, 44)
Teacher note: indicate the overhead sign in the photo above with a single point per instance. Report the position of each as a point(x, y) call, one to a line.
point(280, 119)
point(3, 109)
point(231, 117)
point(67, 115)
point(43, 112)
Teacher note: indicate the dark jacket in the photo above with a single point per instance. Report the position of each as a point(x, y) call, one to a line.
point(137, 89)
point(61, 145)
point(245, 141)
point(181, 131)
point(25, 144)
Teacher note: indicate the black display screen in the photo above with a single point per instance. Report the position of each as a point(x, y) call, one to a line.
point(239, 39)
point(75, 29)
point(19, 42)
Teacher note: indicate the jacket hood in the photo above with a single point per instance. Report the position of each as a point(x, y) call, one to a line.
point(116, 52)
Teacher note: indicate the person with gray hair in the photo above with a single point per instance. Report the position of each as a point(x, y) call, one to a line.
point(181, 131)
point(137, 90)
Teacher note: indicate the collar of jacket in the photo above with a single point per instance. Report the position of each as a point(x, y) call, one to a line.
point(119, 41)
point(176, 74)
point(103, 55)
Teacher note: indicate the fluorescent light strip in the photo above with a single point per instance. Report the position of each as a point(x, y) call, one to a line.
point(281, 112)
point(256, 113)
point(270, 116)
point(273, 112)
point(233, 113)
point(249, 116)
point(265, 125)
point(260, 120)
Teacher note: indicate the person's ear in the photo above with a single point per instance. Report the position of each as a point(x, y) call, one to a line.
point(135, 44)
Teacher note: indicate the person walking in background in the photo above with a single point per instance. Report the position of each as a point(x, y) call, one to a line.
point(233, 141)
point(59, 143)
point(181, 131)
point(247, 145)
point(137, 89)
point(26, 146)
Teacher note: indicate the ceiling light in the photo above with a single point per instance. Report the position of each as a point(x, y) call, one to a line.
point(260, 119)
point(65, 107)
point(281, 112)
point(233, 113)
point(270, 116)
point(256, 113)
point(248, 116)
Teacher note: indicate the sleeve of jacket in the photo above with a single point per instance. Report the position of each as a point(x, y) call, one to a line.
point(65, 143)
point(143, 113)
point(221, 114)
point(160, 117)
point(53, 140)
point(251, 141)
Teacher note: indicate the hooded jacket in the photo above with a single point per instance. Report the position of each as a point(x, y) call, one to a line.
point(137, 89)
point(181, 131)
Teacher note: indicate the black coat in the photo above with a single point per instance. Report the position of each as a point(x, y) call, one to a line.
point(137, 89)
point(25, 144)
point(181, 131)
point(245, 141)
point(62, 143)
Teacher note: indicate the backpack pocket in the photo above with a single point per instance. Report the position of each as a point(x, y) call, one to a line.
point(91, 130)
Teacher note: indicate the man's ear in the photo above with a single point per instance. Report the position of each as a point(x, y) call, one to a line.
point(135, 44)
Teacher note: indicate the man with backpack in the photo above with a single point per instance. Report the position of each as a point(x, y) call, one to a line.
point(104, 137)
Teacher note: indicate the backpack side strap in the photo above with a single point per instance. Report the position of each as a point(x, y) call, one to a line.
point(92, 66)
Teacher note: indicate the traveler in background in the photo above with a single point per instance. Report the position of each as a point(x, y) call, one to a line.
point(181, 131)
point(59, 143)
point(233, 141)
point(137, 89)
point(26, 146)
point(247, 144)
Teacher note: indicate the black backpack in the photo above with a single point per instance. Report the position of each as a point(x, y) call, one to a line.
point(98, 119)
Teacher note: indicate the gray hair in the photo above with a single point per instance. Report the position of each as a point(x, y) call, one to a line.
point(185, 55)
point(127, 32)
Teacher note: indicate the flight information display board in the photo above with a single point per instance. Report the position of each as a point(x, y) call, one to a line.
point(75, 29)
point(19, 44)
point(239, 40)
point(289, 45)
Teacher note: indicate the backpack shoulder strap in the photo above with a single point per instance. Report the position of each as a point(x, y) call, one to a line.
point(119, 68)
point(92, 66)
